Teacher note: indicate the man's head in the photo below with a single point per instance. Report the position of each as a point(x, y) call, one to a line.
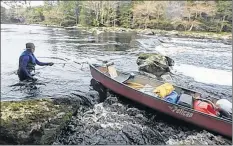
point(30, 46)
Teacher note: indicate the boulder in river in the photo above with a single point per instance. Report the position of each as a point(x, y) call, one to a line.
point(34, 121)
point(146, 32)
point(154, 63)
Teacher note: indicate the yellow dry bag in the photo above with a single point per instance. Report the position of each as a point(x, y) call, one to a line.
point(164, 90)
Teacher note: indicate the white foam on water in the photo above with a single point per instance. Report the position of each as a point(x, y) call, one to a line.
point(206, 75)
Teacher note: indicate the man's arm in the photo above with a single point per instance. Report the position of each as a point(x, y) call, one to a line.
point(41, 63)
point(23, 66)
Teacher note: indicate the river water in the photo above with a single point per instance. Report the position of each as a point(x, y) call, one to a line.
point(200, 64)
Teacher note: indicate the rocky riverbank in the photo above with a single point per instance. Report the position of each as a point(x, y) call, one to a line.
point(225, 37)
point(113, 121)
point(34, 121)
point(120, 123)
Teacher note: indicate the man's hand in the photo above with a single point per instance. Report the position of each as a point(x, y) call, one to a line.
point(34, 79)
point(50, 63)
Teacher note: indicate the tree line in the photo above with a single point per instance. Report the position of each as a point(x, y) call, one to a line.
point(213, 16)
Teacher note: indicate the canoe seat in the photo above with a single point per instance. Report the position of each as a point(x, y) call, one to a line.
point(122, 78)
point(134, 85)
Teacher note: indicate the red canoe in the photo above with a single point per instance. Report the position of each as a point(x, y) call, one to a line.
point(117, 85)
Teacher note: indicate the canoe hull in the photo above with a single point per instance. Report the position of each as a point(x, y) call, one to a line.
point(214, 124)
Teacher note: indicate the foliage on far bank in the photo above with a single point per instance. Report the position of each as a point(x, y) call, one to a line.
point(212, 16)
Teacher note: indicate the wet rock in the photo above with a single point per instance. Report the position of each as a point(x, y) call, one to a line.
point(110, 101)
point(85, 99)
point(98, 109)
point(95, 96)
point(167, 77)
point(96, 30)
point(141, 118)
point(200, 138)
point(153, 136)
point(133, 133)
point(102, 91)
point(171, 142)
point(181, 134)
point(227, 42)
point(71, 27)
point(154, 63)
point(36, 132)
point(133, 111)
point(147, 32)
point(118, 124)
point(117, 107)
point(33, 121)
point(172, 33)
point(61, 114)
point(71, 128)
point(109, 124)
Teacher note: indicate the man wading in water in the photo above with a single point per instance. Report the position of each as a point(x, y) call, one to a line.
point(27, 63)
